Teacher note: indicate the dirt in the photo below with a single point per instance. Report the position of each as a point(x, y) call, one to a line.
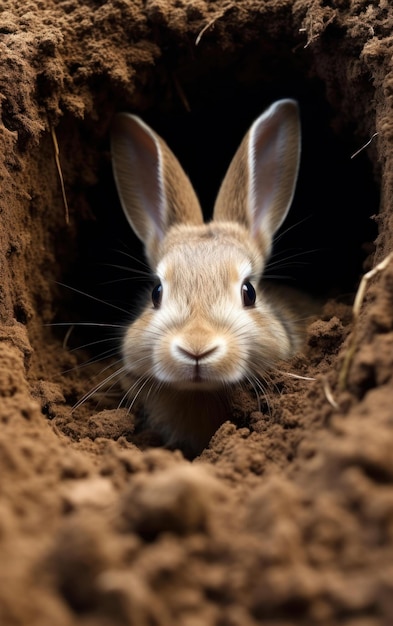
point(287, 517)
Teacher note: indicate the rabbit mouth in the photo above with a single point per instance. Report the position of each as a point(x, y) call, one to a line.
point(196, 380)
point(195, 377)
point(197, 374)
point(197, 385)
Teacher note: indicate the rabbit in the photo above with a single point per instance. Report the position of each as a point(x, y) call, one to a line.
point(210, 323)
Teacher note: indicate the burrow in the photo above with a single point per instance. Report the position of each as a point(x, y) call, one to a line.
point(201, 98)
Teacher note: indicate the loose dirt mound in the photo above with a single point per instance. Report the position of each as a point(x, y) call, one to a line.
point(287, 517)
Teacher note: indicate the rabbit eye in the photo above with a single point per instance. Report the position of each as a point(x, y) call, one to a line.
point(248, 294)
point(156, 295)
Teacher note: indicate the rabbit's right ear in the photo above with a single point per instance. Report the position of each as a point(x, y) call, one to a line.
point(154, 190)
point(260, 182)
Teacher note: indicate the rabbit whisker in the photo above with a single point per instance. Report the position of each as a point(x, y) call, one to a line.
point(123, 280)
point(131, 270)
point(277, 260)
point(88, 324)
point(93, 360)
point(289, 228)
point(88, 295)
point(90, 344)
point(97, 388)
point(141, 387)
point(255, 386)
point(134, 259)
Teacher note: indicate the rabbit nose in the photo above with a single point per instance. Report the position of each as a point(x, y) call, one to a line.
point(196, 355)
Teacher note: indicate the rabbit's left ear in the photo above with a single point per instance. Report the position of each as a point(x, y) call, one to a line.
point(154, 190)
point(258, 188)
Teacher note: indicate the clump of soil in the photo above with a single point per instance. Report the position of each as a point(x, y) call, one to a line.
point(287, 516)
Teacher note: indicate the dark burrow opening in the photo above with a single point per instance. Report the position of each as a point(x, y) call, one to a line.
point(324, 241)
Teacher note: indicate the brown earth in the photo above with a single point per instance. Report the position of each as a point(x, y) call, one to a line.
point(287, 517)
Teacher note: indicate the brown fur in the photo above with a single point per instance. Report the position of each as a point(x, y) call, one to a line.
point(184, 357)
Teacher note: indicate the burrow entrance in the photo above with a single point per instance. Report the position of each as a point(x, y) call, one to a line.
point(202, 107)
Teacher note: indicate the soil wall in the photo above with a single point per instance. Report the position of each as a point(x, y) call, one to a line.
point(287, 517)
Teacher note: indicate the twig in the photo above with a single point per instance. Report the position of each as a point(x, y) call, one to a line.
point(365, 146)
point(311, 37)
point(328, 393)
point(343, 376)
point(181, 94)
point(60, 173)
point(298, 376)
point(209, 25)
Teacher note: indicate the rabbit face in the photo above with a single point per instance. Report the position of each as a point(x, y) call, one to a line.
point(202, 330)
